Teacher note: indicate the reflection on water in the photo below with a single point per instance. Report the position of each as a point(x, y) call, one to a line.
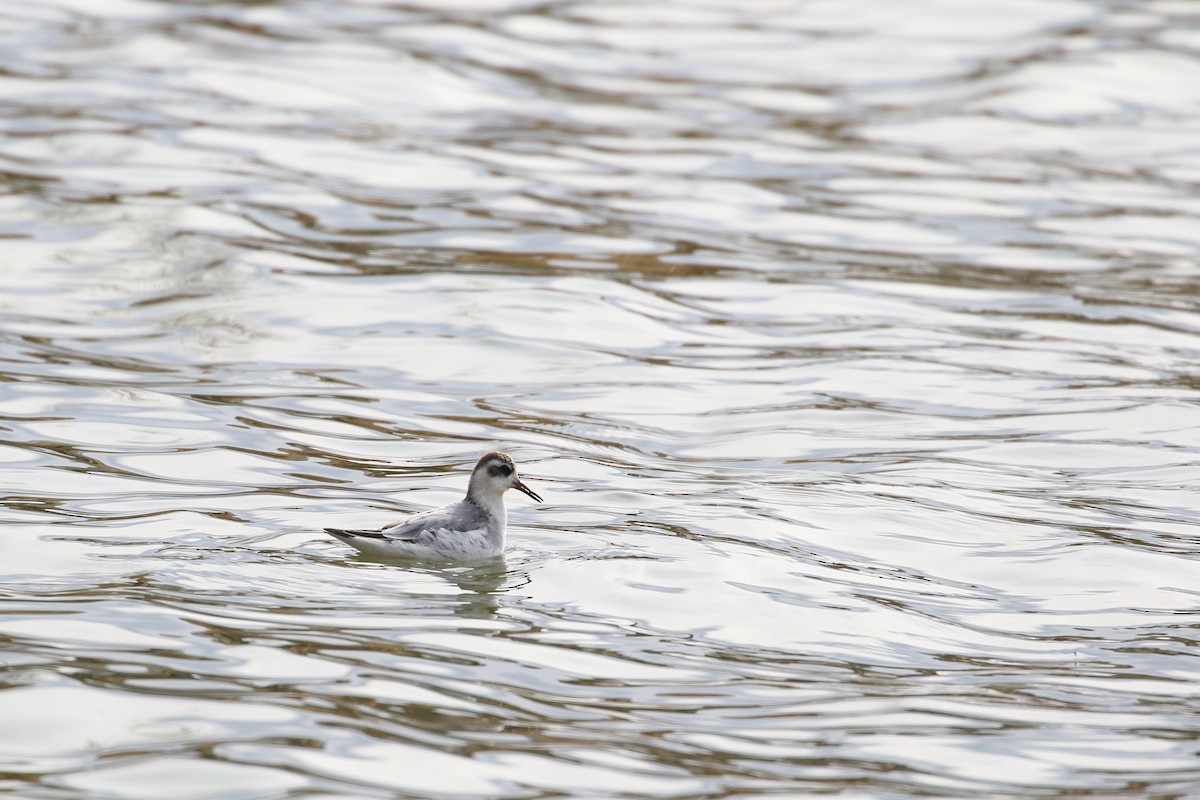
point(853, 344)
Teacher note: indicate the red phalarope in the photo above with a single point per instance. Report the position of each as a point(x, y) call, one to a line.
point(469, 529)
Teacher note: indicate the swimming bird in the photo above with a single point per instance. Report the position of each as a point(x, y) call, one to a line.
point(469, 529)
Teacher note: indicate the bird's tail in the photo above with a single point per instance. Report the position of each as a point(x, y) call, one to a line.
point(345, 533)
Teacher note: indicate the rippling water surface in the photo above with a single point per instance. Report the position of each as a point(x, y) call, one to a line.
point(853, 346)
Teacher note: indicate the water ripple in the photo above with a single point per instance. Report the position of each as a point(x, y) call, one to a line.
point(852, 346)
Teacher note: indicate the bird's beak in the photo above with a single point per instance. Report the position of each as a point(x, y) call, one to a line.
point(520, 487)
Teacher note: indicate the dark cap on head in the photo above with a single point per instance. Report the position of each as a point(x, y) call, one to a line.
point(500, 465)
point(495, 455)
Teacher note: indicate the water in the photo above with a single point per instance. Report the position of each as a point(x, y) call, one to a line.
point(852, 345)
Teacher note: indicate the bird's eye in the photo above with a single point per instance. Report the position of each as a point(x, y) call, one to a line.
point(500, 470)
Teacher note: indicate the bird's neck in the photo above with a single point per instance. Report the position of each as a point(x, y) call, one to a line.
point(492, 503)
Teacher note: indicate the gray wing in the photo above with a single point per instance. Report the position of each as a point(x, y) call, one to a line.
point(461, 516)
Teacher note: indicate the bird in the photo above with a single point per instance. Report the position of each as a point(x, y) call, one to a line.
point(472, 528)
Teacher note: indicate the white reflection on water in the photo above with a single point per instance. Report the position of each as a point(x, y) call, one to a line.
point(852, 343)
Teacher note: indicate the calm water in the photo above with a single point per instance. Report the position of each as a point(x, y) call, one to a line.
point(853, 345)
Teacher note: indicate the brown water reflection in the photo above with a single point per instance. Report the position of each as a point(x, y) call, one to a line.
point(852, 343)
